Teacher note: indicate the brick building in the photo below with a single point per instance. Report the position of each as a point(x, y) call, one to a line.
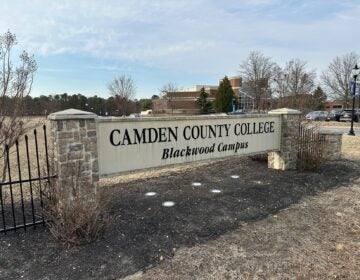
point(183, 102)
point(336, 104)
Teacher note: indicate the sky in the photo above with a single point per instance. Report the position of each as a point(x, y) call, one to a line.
point(81, 46)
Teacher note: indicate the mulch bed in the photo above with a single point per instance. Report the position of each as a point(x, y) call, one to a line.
point(143, 232)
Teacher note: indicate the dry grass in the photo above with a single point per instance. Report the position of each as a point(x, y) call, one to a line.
point(31, 124)
point(344, 124)
point(316, 239)
point(350, 147)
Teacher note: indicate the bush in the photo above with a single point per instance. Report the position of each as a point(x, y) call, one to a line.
point(75, 213)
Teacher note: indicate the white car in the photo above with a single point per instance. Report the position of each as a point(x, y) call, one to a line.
point(317, 116)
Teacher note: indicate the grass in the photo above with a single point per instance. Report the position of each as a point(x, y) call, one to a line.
point(31, 124)
point(21, 193)
point(350, 146)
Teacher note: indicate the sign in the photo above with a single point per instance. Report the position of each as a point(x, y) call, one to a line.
point(354, 88)
point(140, 143)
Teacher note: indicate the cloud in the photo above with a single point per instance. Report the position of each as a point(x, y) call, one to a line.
point(190, 35)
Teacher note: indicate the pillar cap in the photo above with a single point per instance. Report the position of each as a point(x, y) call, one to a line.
point(284, 111)
point(72, 114)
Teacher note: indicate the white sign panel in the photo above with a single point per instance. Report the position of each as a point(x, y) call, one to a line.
point(132, 144)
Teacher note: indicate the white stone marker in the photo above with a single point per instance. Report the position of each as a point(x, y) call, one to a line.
point(150, 194)
point(168, 204)
point(216, 191)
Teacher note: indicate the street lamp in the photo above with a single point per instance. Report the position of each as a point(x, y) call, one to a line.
point(355, 72)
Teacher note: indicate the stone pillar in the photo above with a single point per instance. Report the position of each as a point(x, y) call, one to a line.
point(75, 147)
point(286, 158)
point(333, 143)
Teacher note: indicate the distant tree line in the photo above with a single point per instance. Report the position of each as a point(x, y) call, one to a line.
point(47, 104)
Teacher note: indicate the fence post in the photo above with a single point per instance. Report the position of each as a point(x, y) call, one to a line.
point(75, 147)
point(332, 145)
point(286, 158)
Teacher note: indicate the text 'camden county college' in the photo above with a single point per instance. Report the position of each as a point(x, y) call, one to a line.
point(135, 136)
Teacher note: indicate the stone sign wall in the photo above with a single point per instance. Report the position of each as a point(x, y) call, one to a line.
point(108, 146)
point(132, 144)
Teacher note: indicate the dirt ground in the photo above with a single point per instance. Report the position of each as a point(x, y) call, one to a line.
point(265, 224)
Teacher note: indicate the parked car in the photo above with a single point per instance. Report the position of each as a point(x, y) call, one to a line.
point(334, 115)
point(317, 116)
point(347, 113)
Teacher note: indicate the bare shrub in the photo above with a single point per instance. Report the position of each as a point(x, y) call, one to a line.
point(311, 146)
point(15, 87)
point(75, 211)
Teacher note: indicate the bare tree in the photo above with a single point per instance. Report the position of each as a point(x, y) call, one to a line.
point(15, 86)
point(257, 70)
point(169, 87)
point(299, 80)
point(293, 83)
point(278, 82)
point(123, 90)
point(337, 76)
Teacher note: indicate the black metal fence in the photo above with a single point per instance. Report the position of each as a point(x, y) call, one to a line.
point(25, 175)
point(311, 146)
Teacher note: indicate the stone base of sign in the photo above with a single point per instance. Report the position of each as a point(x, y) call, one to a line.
point(333, 143)
point(75, 147)
point(286, 158)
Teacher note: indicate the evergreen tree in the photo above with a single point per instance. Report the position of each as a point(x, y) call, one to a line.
point(203, 102)
point(224, 97)
point(319, 98)
point(145, 104)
